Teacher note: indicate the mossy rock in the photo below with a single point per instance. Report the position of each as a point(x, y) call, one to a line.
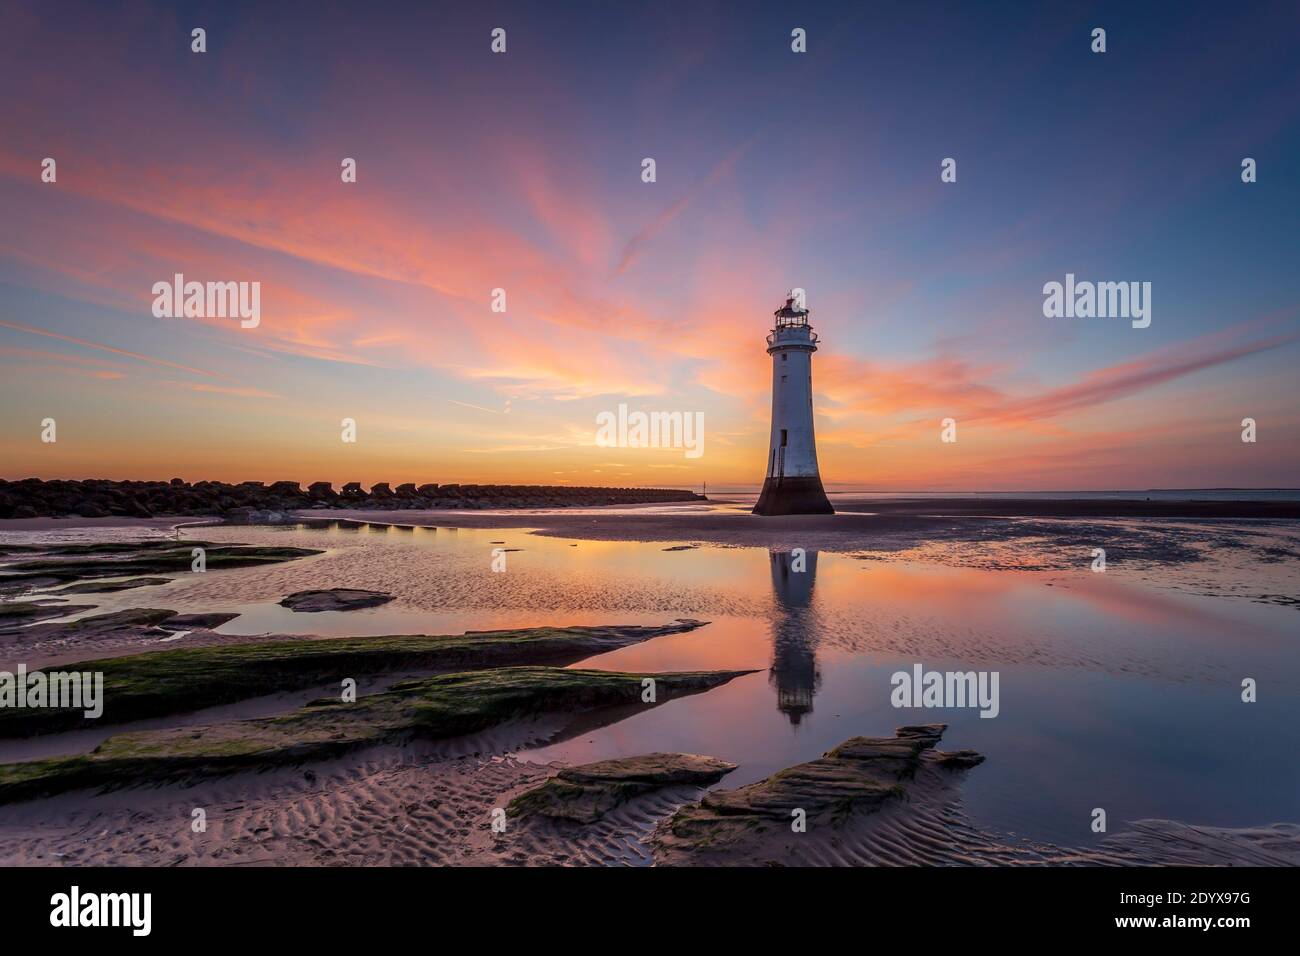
point(863, 774)
point(162, 683)
point(154, 560)
point(434, 708)
point(585, 793)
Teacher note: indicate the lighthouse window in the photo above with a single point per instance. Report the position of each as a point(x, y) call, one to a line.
point(784, 357)
point(784, 436)
point(784, 377)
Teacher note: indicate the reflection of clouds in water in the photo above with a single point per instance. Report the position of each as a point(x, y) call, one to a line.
point(794, 633)
point(446, 569)
point(439, 569)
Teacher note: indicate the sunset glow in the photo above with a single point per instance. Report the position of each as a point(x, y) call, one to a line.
point(523, 173)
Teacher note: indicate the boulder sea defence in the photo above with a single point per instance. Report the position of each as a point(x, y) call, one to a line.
point(101, 498)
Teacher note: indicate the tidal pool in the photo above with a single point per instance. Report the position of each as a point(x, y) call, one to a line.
point(1113, 693)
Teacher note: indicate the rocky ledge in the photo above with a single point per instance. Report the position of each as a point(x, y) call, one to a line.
point(334, 599)
point(435, 708)
point(16, 615)
point(258, 501)
point(47, 565)
point(862, 775)
point(586, 793)
point(161, 683)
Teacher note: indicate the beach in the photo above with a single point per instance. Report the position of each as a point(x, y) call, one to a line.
point(793, 625)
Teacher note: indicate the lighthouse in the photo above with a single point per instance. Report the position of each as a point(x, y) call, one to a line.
point(793, 485)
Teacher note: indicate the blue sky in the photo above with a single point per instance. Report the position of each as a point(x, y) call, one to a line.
point(774, 169)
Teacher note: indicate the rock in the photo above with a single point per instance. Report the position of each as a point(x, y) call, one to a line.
point(138, 509)
point(109, 587)
point(334, 599)
point(860, 775)
point(958, 759)
point(586, 793)
point(197, 622)
point(130, 619)
point(33, 498)
point(151, 557)
point(434, 708)
point(14, 616)
point(160, 683)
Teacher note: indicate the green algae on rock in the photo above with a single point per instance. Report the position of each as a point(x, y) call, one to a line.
point(161, 683)
point(586, 793)
point(80, 562)
point(862, 774)
point(432, 708)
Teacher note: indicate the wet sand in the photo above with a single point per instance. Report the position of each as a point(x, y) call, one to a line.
point(1218, 557)
point(858, 523)
point(78, 523)
point(653, 522)
point(433, 804)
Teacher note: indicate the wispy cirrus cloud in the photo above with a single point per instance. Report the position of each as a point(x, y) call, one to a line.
point(112, 350)
point(891, 395)
point(238, 391)
point(644, 236)
point(1117, 382)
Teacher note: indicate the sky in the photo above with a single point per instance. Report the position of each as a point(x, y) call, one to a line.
point(774, 169)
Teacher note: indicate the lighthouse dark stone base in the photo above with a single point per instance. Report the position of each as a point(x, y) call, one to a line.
point(793, 496)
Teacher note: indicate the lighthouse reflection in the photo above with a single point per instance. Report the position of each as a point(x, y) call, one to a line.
point(795, 633)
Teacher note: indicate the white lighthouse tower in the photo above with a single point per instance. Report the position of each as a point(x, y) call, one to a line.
point(793, 485)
